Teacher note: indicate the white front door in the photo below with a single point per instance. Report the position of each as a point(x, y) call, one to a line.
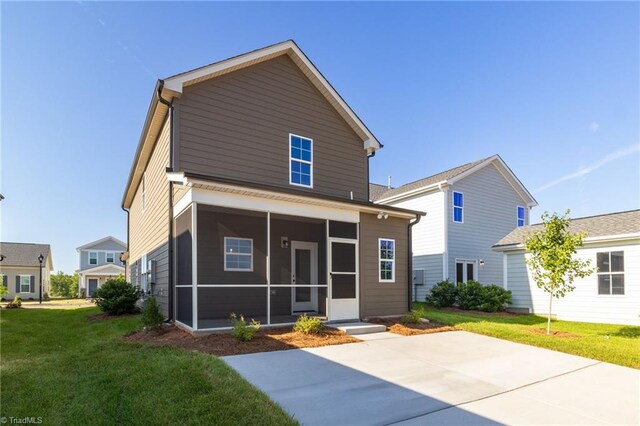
point(304, 273)
point(343, 255)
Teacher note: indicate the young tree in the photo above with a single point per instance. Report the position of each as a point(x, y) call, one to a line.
point(552, 263)
point(63, 285)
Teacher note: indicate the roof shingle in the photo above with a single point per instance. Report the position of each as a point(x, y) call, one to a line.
point(618, 223)
point(23, 254)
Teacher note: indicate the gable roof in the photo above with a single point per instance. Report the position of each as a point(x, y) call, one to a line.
point(173, 87)
point(598, 227)
point(102, 240)
point(110, 267)
point(448, 177)
point(24, 254)
point(376, 191)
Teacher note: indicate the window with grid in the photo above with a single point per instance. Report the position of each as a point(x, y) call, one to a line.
point(610, 272)
point(93, 258)
point(238, 254)
point(520, 216)
point(301, 161)
point(387, 260)
point(458, 206)
point(25, 283)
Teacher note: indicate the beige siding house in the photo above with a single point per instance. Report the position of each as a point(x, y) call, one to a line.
point(249, 193)
point(20, 269)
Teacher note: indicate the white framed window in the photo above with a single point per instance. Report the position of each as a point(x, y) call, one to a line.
point(610, 272)
point(466, 270)
point(386, 260)
point(93, 258)
point(25, 283)
point(238, 254)
point(143, 273)
point(458, 207)
point(110, 257)
point(143, 194)
point(300, 161)
point(520, 214)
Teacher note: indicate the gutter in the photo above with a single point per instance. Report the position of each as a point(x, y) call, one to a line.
point(410, 260)
point(171, 286)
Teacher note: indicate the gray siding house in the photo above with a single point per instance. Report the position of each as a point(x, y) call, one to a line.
point(20, 269)
point(99, 261)
point(468, 209)
point(249, 193)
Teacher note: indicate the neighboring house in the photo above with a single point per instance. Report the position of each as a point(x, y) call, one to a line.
point(468, 209)
point(248, 194)
point(20, 269)
point(610, 295)
point(99, 261)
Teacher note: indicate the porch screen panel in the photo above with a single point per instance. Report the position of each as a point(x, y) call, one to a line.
point(344, 286)
point(216, 304)
point(343, 230)
point(184, 305)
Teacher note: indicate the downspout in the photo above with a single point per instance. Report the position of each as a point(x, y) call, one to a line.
point(410, 261)
point(126, 264)
point(368, 178)
point(169, 104)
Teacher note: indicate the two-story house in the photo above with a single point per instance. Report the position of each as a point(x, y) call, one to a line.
point(469, 207)
point(22, 267)
point(249, 194)
point(99, 260)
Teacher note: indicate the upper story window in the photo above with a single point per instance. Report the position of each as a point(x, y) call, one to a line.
point(25, 283)
point(386, 260)
point(301, 161)
point(520, 216)
point(110, 257)
point(143, 195)
point(610, 272)
point(93, 258)
point(458, 206)
point(238, 254)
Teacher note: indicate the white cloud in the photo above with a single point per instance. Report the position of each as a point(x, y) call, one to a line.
point(583, 171)
point(594, 127)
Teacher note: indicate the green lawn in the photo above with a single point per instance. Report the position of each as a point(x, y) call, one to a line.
point(57, 365)
point(618, 344)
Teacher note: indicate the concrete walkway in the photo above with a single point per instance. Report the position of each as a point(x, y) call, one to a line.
point(446, 378)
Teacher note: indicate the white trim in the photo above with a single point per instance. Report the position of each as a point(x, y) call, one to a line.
point(466, 262)
point(28, 284)
point(250, 255)
point(589, 241)
point(344, 309)
point(89, 257)
point(194, 264)
point(177, 83)
point(268, 268)
point(101, 267)
point(313, 303)
point(454, 207)
point(310, 163)
point(445, 228)
point(113, 257)
point(393, 261)
point(101, 240)
point(610, 274)
point(505, 271)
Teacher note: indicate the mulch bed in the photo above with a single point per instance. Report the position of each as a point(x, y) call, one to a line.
point(223, 343)
point(395, 326)
point(561, 334)
point(102, 316)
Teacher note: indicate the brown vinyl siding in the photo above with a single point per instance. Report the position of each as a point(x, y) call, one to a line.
point(237, 126)
point(384, 298)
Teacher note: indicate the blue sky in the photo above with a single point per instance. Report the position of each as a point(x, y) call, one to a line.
point(552, 87)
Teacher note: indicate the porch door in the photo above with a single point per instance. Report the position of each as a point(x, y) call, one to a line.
point(304, 271)
point(343, 275)
point(93, 286)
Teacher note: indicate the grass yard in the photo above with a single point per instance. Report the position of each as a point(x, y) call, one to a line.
point(617, 344)
point(57, 365)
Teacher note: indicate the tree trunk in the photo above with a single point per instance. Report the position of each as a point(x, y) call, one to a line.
point(549, 314)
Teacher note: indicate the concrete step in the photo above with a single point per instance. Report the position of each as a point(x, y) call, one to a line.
point(355, 328)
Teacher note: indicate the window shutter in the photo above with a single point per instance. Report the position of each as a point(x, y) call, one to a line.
point(17, 284)
point(32, 287)
point(4, 281)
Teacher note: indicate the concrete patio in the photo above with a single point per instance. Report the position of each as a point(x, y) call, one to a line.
point(444, 378)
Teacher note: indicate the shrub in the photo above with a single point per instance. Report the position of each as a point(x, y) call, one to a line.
point(308, 325)
point(470, 295)
point(442, 295)
point(17, 303)
point(151, 316)
point(116, 297)
point(413, 317)
point(45, 296)
point(494, 298)
point(241, 330)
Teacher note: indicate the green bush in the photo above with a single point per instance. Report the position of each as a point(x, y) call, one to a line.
point(151, 316)
point(413, 317)
point(494, 298)
point(116, 297)
point(442, 295)
point(241, 330)
point(308, 325)
point(470, 295)
point(17, 303)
